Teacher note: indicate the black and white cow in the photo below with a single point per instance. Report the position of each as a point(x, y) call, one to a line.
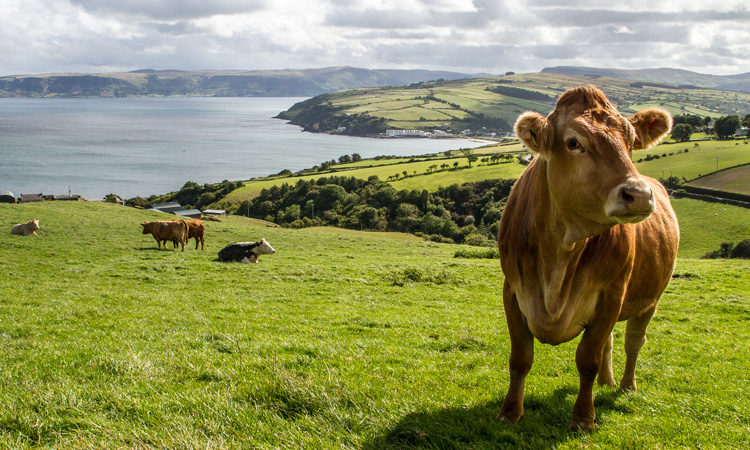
point(246, 252)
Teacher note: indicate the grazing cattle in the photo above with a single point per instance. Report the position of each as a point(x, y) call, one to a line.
point(198, 231)
point(585, 241)
point(246, 252)
point(195, 230)
point(167, 230)
point(26, 229)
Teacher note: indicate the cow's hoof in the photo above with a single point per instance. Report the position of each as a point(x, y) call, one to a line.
point(606, 381)
point(511, 418)
point(628, 386)
point(582, 424)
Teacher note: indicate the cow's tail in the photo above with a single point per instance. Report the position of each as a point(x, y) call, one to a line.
point(186, 229)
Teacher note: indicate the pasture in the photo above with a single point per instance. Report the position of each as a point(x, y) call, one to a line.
point(441, 103)
point(341, 339)
point(701, 158)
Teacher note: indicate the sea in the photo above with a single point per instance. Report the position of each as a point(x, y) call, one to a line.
point(132, 147)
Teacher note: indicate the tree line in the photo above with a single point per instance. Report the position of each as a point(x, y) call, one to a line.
point(467, 213)
point(725, 127)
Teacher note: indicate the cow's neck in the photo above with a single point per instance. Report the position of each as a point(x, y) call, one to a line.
point(561, 238)
point(564, 226)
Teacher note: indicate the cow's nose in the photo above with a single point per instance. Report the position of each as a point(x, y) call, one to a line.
point(637, 196)
point(631, 201)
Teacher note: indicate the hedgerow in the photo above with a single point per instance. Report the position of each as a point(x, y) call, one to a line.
point(468, 213)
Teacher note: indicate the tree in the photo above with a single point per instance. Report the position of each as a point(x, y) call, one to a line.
point(112, 198)
point(329, 195)
point(726, 126)
point(746, 121)
point(682, 132)
point(468, 153)
point(691, 119)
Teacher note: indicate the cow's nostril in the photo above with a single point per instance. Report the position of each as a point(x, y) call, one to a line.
point(627, 198)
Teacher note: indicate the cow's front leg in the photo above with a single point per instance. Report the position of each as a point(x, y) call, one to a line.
point(521, 358)
point(589, 360)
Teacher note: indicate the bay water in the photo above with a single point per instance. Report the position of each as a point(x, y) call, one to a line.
point(143, 146)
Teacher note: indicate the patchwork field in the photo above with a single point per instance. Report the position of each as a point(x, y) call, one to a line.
point(341, 339)
point(458, 103)
point(732, 180)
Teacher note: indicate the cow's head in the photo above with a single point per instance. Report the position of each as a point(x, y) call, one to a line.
point(264, 248)
point(148, 227)
point(587, 145)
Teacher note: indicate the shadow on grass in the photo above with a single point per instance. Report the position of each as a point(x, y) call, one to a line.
point(544, 425)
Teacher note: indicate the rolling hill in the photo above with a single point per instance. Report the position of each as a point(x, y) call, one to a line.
point(493, 103)
point(685, 78)
point(213, 83)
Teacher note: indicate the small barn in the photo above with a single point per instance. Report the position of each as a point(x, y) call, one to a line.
point(7, 197)
point(215, 212)
point(188, 213)
point(165, 207)
point(176, 209)
point(28, 198)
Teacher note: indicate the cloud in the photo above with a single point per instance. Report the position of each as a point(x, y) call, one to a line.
point(170, 9)
point(491, 36)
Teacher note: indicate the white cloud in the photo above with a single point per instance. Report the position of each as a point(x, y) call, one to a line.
point(493, 36)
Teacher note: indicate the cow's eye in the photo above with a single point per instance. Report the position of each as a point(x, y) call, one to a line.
point(574, 145)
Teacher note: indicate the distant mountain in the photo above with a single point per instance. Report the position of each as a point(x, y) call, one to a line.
point(219, 83)
point(681, 78)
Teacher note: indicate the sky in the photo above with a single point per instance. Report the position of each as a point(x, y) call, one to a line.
point(467, 36)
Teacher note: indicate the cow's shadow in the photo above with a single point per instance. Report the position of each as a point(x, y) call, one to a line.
point(544, 425)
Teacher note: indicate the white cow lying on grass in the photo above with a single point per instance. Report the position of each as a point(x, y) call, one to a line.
point(246, 252)
point(26, 229)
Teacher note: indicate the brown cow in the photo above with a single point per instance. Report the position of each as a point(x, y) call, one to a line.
point(198, 231)
point(167, 230)
point(195, 230)
point(585, 241)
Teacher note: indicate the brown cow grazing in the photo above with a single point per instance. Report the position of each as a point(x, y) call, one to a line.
point(195, 230)
point(585, 241)
point(167, 230)
point(198, 231)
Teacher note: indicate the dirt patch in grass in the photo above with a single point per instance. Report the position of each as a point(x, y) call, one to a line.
point(732, 180)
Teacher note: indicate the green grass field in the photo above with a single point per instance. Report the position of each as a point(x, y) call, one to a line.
point(341, 339)
point(699, 160)
point(732, 180)
point(430, 105)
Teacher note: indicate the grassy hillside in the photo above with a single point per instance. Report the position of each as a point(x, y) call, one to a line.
point(222, 83)
point(733, 180)
point(494, 103)
point(700, 159)
point(341, 339)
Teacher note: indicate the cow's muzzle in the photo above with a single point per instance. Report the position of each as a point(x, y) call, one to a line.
point(631, 201)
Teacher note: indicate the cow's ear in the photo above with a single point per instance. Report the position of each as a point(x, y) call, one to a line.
point(534, 130)
point(651, 126)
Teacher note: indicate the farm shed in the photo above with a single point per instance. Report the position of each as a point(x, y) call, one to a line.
point(165, 207)
point(73, 198)
point(215, 212)
point(191, 213)
point(27, 198)
point(176, 209)
point(7, 197)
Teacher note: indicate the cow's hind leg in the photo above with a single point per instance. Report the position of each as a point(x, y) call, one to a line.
point(606, 376)
point(635, 337)
point(521, 358)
